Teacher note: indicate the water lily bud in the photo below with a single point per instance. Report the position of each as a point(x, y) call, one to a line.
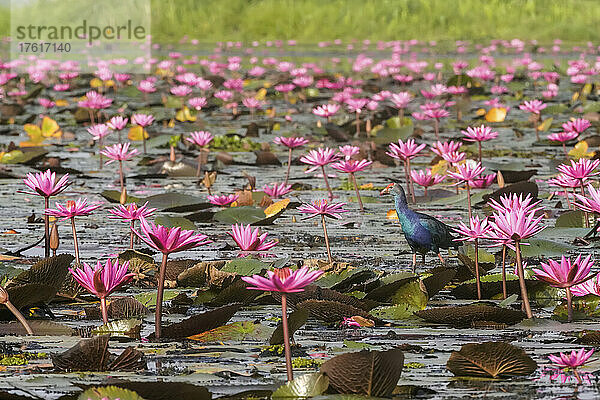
point(3, 295)
point(123, 198)
point(54, 240)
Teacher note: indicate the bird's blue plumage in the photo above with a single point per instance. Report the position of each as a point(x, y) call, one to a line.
point(422, 232)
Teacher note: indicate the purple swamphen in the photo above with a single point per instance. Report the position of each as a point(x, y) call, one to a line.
point(423, 233)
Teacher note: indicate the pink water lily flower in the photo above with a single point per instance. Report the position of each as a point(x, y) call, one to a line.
point(119, 152)
point(98, 131)
point(483, 181)
point(563, 137)
point(348, 150)
point(326, 110)
point(200, 138)
point(223, 200)
point(117, 123)
point(72, 209)
point(197, 103)
point(351, 167)
point(533, 106)
point(102, 280)
point(290, 142)
point(565, 273)
point(573, 360)
point(248, 239)
point(581, 169)
point(426, 178)
point(131, 212)
point(277, 190)
point(169, 240)
point(591, 286)
point(319, 158)
point(441, 148)
point(283, 281)
point(577, 125)
point(591, 203)
point(45, 184)
point(515, 202)
point(476, 230)
point(405, 150)
point(479, 134)
point(467, 172)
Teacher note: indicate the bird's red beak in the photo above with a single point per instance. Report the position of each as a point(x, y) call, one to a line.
point(387, 189)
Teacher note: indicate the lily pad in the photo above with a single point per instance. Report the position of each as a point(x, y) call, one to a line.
point(490, 359)
point(175, 222)
point(304, 386)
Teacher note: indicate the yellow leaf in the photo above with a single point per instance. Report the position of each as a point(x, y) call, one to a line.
point(277, 207)
point(35, 136)
point(392, 215)
point(261, 94)
point(581, 151)
point(61, 103)
point(366, 186)
point(184, 115)
point(96, 83)
point(496, 114)
point(276, 126)
point(136, 132)
point(480, 112)
point(586, 90)
point(575, 97)
point(500, 179)
point(441, 168)
point(544, 126)
point(50, 128)
point(171, 123)
point(267, 84)
point(109, 83)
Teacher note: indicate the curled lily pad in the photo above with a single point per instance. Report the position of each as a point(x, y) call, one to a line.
point(123, 327)
point(464, 316)
point(93, 355)
point(303, 386)
point(333, 311)
point(40, 328)
point(368, 373)
point(296, 320)
point(199, 323)
point(490, 359)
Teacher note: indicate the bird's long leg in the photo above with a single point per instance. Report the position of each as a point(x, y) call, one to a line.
point(441, 258)
point(414, 265)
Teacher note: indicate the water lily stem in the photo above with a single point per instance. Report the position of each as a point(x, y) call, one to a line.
point(477, 269)
point(469, 200)
point(327, 182)
point(287, 174)
point(104, 310)
point(410, 181)
point(19, 317)
point(46, 228)
point(329, 258)
point(121, 180)
point(131, 235)
point(286, 339)
point(159, 296)
point(504, 294)
point(360, 203)
point(521, 274)
point(569, 305)
point(75, 243)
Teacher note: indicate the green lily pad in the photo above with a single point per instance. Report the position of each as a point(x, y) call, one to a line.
point(585, 307)
point(392, 135)
point(245, 266)
point(149, 299)
point(302, 387)
point(396, 312)
point(122, 327)
point(240, 215)
point(545, 248)
point(109, 393)
point(176, 202)
point(172, 222)
point(114, 196)
point(571, 219)
point(20, 157)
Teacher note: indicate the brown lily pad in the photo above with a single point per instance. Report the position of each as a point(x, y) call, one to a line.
point(120, 308)
point(439, 278)
point(40, 328)
point(333, 311)
point(50, 271)
point(199, 323)
point(520, 188)
point(490, 359)
point(464, 316)
point(31, 294)
point(368, 373)
point(314, 292)
point(93, 355)
point(205, 273)
point(296, 320)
